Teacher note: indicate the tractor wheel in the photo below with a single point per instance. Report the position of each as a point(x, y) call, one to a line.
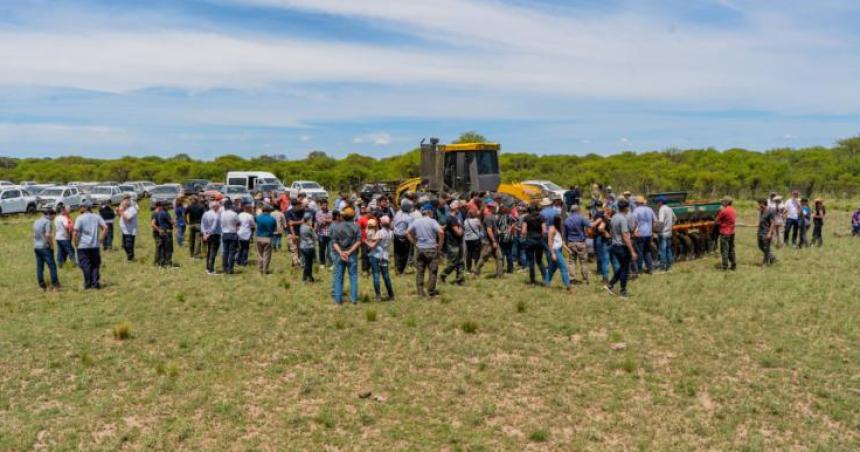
point(689, 251)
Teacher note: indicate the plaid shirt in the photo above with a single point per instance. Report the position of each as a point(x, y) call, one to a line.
point(323, 221)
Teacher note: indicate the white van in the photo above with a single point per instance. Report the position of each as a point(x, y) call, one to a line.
point(251, 179)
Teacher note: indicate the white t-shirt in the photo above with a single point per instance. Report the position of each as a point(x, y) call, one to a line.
point(246, 225)
point(380, 251)
point(666, 217)
point(792, 208)
point(229, 221)
point(128, 222)
point(61, 224)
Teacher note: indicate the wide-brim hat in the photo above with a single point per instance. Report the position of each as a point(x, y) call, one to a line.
point(545, 202)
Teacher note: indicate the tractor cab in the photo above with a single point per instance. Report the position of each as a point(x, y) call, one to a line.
point(461, 167)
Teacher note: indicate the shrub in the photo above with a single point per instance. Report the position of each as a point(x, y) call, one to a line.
point(180, 297)
point(521, 306)
point(539, 435)
point(469, 327)
point(122, 331)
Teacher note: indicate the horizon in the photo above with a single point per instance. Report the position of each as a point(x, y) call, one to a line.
point(102, 79)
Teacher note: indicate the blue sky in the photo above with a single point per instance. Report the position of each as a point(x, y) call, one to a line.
point(208, 77)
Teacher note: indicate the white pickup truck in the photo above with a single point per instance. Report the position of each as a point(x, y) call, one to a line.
point(16, 200)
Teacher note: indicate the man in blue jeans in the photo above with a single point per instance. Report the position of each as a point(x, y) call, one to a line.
point(622, 249)
point(89, 230)
point(645, 220)
point(346, 238)
point(666, 219)
point(229, 237)
point(43, 246)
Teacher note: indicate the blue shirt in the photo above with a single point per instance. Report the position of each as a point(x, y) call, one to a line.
point(162, 220)
point(180, 215)
point(266, 225)
point(548, 214)
point(574, 228)
point(644, 220)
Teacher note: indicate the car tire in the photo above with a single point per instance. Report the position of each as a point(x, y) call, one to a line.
point(31, 209)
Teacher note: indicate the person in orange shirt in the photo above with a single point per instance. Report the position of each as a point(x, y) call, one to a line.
point(726, 220)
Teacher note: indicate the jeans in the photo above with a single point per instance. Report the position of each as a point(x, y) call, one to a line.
point(426, 259)
point(518, 251)
point(164, 257)
point(817, 239)
point(195, 240)
point(340, 267)
point(277, 240)
point(601, 255)
point(45, 256)
point(108, 241)
point(791, 226)
point(622, 273)
point(90, 262)
point(244, 250)
point(643, 249)
point(180, 235)
point(325, 250)
point(727, 251)
point(558, 264)
point(365, 259)
point(764, 245)
point(379, 267)
point(65, 250)
point(534, 256)
point(803, 227)
point(454, 255)
point(212, 245)
point(128, 246)
point(401, 254)
point(231, 249)
point(308, 263)
point(664, 251)
point(508, 255)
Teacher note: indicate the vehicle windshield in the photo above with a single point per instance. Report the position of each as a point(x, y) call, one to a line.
point(552, 186)
point(266, 180)
point(311, 185)
point(166, 190)
point(101, 191)
point(126, 188)
point(52, 192)
point(214, 186)
point(234, 189)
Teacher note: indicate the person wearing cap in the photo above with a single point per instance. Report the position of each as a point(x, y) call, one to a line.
point(818, 215)
point(163, 225)
point(43, 248)
point(726, 219)
point(107, 214)
point(229, 237)
point(427, 236)
point(622, 248)
point(307, 246)
point(533, 230)
point(295, 217)
point(402, 220)
point(645, 221)
point(490, 241)
point(245, 232)
point(792, 218)
point(666, 220)
point(766, 230)
point(193, 216)
point(378, 239)
point(454, 245)
point(266, 225)
point(128, 212)
point(88, 229)
point(210, 228)
point(63, 226)
point(573, 231)
point(346, 238)
point(323, 219)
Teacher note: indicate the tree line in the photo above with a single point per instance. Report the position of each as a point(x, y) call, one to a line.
point(705, 172)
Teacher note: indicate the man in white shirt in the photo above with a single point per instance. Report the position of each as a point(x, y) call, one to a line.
point(229, 237)
point(246, 230)
point(792, 213)
point(128, 225)
point(63, 236)
point(665, 221)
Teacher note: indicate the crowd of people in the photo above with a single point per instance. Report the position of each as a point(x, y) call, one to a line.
point(370, 236)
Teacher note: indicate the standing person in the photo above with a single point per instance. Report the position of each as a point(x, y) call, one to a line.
point(378, 239)
point(726, 219)
point(402, 220)
point(574, 234)
point(88, 229)
point(557, 261)
point(229, 237)
point(792, 218)
point(63, 226)
point(427, 236)
point(43, 248)
point(472, 234)
point(490, 241)
point(128, 225)
point(193, 216)
point(266, 227)
point(532, 231)
point(622, 248)
point(210, 227)
point(295, 218)
point(547, 212)
point(108, 215)
point(766, 228)
point(362, 222)
point(179, 213)
point(804, 220)
point(308, 245)
point(570, 198)
point(855, 223)
point(666, 219)
point(506, 227)
point(602, 243)
point(778, 207)
point(454, 246)
point(323, 219)
point(346, 238)
point(162, 224)
point(818, 222)
point(645, 220)
point(280, 229)
point(245, 232)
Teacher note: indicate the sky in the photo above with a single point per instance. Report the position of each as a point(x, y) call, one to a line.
point(106, 78)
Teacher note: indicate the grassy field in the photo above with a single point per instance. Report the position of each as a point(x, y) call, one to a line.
point(763, 358)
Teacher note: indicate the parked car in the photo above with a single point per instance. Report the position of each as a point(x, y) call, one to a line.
point(51, 196)
point(548, 189)
point(238, 193)
point(146, 188)
point(4, 183)
point(109, 193)
point(194, 186)
point(265, 189)
point(14, 199)
point(166, 193)
point(312, 189)
point(129, 189)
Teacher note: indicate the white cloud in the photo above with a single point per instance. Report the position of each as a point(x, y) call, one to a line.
point(49, 133)
point(378, 139)
point(305, 138)
point(624, 141)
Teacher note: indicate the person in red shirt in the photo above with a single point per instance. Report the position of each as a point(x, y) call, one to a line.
point(362, 223)
point(726, 220)
point(283, 202)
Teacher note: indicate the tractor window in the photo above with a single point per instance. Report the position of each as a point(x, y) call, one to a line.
point(488, 162)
